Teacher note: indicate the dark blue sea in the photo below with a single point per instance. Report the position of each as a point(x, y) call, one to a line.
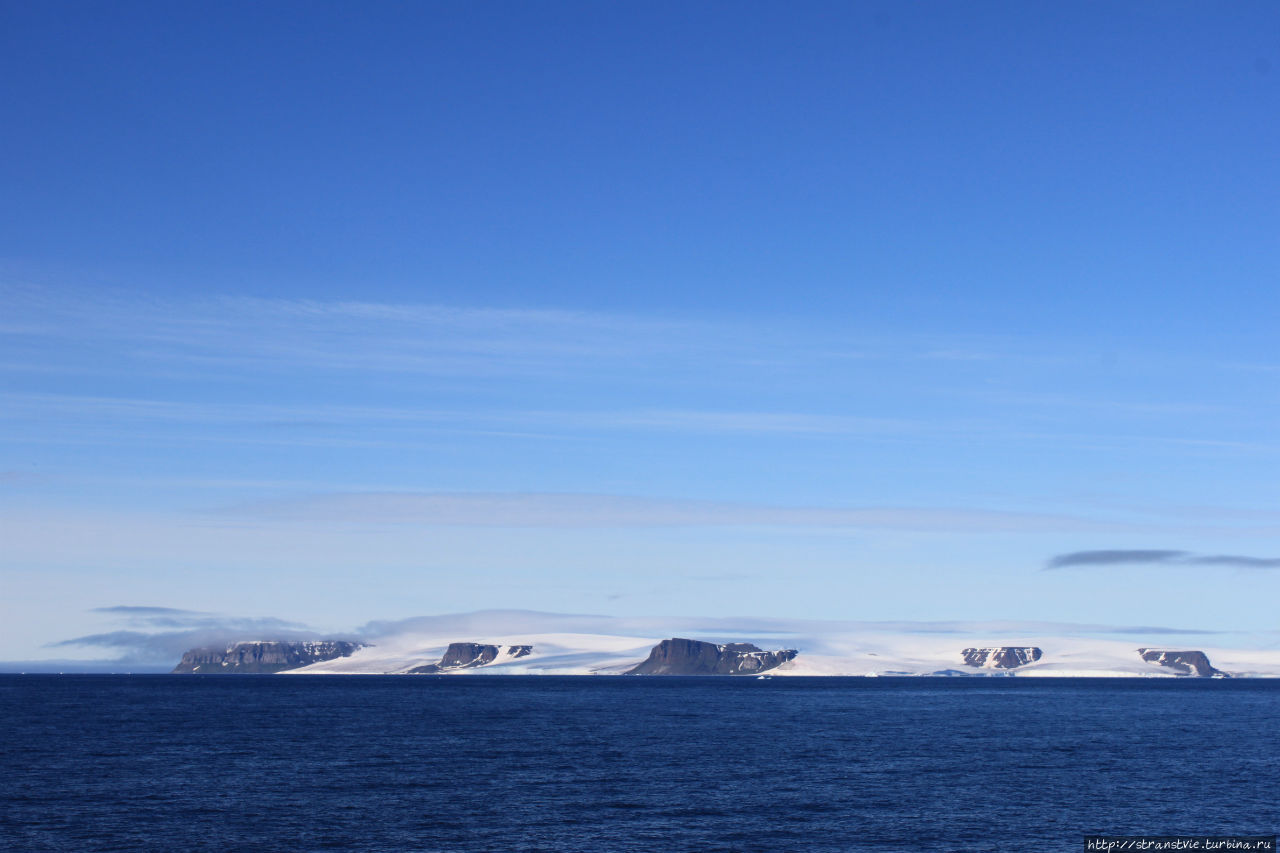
point(397, 763)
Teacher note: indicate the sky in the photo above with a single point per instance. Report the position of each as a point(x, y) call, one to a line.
point(314, 314)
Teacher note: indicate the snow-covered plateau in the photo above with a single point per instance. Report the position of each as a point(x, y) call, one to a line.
point(512, 642)
point(530, 644)
point(551, 654)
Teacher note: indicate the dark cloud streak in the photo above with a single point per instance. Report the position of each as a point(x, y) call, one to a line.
point(1237, 560)
point(1150, 557)
point(1114, 557)
point(138, 610)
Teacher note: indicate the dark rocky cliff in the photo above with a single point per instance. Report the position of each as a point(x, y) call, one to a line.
point(693, 657)
point(1190, 662)
point(1002, 657)
point(262, 657)
point(469, 656)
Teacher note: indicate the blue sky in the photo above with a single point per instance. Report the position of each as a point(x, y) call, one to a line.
point(327, 313)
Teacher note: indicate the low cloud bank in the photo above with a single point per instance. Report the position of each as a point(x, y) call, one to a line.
point(156, 637)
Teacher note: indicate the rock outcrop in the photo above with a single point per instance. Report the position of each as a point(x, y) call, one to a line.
point(1190, 662)
point(693, 657)
point(1001, 657)
point(469, 656)
point(258, 657)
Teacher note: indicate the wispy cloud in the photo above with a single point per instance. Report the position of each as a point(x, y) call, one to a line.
point(685, 420)
point(501, 622)
point(127, 332)
point(125, 410)
point(1132, 557)
point(343, 335)
point(146, 612)
point(222, 346)
point(534, 509)
point(172, 617)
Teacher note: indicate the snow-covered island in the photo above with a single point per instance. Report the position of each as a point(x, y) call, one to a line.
point(834, 655)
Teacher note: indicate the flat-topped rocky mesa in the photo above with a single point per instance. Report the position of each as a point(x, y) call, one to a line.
point(1189, 662)
point(678, 656)
point(256, 657)
point(1001, 657)
point(470, 656)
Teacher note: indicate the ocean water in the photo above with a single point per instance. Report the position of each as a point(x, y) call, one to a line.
point(603, 764)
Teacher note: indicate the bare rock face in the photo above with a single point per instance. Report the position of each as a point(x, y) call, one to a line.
point(469, 656)
point(262, 657)
point(1002, 657)
point(693, 657)
point(1189, 662)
